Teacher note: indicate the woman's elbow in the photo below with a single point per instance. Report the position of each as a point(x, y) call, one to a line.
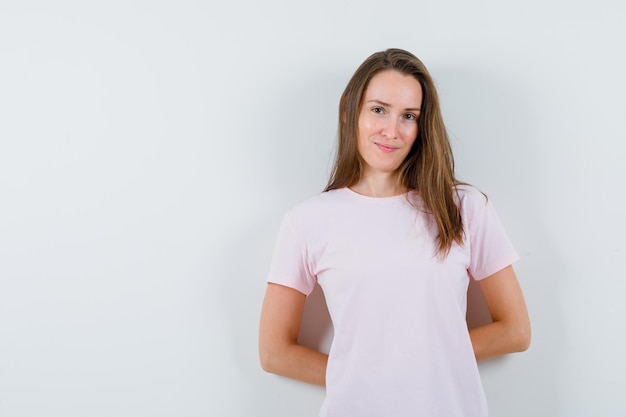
point(266, 359)
point(521, 338)
point(271, 358)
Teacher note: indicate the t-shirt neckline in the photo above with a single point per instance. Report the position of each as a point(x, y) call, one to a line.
point(353, 194)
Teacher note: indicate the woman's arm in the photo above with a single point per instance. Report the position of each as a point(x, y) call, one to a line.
point(510, 330)
point(279, 350)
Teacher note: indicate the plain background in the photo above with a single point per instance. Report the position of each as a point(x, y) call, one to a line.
point(148, 150)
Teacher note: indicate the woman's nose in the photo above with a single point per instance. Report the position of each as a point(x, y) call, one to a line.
point(390, 128)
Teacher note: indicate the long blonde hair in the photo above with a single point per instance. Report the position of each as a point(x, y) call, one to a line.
point(428, 168)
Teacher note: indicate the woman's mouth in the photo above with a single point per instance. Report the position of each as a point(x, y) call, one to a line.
point(385, 148)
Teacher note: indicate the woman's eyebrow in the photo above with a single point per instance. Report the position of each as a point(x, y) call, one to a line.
point(382, 103)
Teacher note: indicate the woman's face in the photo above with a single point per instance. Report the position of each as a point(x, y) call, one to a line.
point(387, 125)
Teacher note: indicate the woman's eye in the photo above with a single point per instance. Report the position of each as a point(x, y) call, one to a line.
point(378, 110)
point(410, 116)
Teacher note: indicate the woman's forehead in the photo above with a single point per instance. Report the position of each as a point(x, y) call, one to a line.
point(393, 87)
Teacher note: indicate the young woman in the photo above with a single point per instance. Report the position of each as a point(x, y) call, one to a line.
point(393, 242)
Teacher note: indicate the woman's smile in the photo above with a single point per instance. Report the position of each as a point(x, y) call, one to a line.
point(386, 148)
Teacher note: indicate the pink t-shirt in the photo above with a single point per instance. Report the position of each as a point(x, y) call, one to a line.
point(401, 345)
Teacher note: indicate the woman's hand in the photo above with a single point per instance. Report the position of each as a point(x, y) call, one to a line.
point(510, 330)
point(279, 350)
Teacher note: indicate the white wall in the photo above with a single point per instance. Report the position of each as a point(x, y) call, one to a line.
point(149, 149)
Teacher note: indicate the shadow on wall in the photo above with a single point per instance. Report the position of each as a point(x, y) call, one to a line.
point(316, 330)
point(477, 310)
point(305, 151)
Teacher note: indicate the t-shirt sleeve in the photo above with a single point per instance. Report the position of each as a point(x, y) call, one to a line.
point(490, 247)
point(290, 266)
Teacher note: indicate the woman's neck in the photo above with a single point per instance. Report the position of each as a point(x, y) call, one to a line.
point(381, 185)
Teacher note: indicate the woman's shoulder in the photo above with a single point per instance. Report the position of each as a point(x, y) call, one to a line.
point(318, 204)
point(471, 200)
point(466, 193)
point(311, 216)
